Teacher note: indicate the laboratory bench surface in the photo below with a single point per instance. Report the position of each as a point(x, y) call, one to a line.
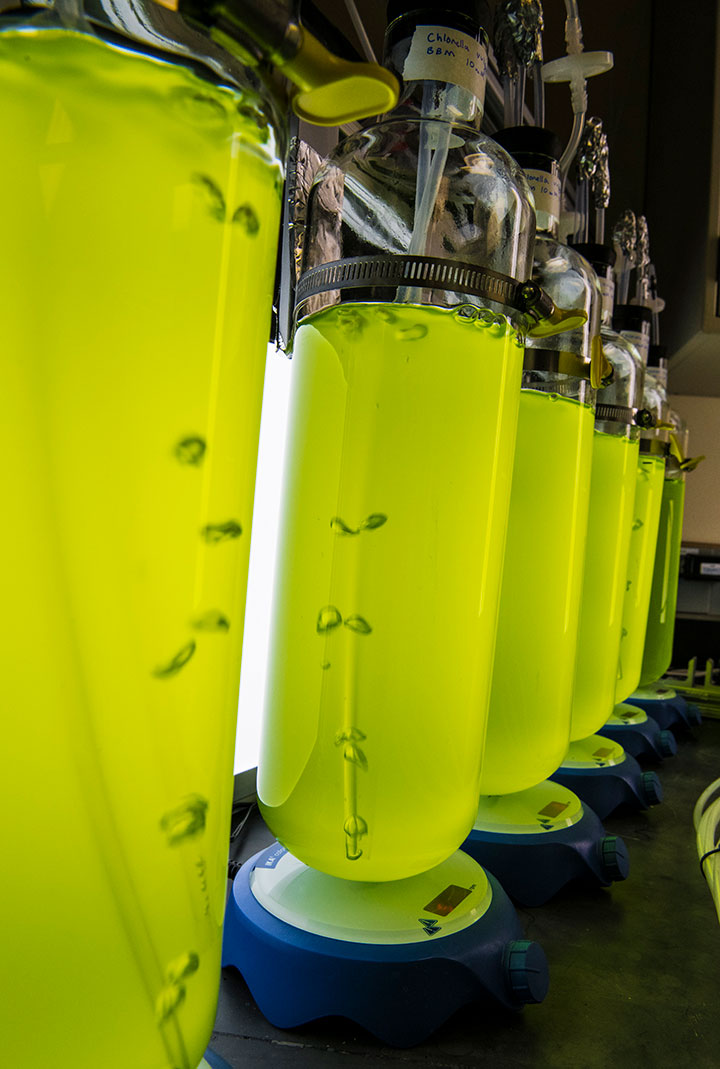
point(634, 970)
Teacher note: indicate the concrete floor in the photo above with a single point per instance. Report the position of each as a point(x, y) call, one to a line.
point(634, 970)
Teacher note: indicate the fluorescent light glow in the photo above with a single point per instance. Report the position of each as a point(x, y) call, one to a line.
point(268, 490)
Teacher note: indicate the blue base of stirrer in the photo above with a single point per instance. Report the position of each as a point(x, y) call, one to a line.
point(397, 958)
point(211, 1060)
point(667, 708)
point(539, 840)
point(638, 734)
point(599, 771)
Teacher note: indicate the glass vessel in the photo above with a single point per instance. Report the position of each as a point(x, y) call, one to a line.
point(657, 653)
point(644, 537)
point(140, 219)
point(612, 495)
point(529, 719)
point(405, 398)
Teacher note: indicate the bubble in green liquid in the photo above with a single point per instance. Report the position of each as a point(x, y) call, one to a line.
point(191, 451)
point(221, 532)
point(370, 523)
point(213, 620)
point(187, 821)
point(374, 520)
point(413, 333)
point(246, 216)
point(358, 624)
point(168, 1001)
point(351, 751)
point(179, 661)
point(201, 109)
point(328, 619)
point(466, 313)
point(340, 527)
point(183, 966)
point(385, 315)
point(212, 196)
point(349, 321)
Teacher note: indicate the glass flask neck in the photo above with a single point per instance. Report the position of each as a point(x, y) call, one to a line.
point(442, 70)
point(607, 289)
point(546, 186)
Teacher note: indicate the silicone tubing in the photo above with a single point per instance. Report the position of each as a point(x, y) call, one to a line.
point(706, 819)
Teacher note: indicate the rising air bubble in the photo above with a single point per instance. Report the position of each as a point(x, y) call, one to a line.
point(182, 967)
point(358, 624)
point(212, 196)
point(168, 1001)
point(373, 521)
point(178, 662)
point(246, 217)
point(340, 527)
point(190, 450)
point(385, 315)
point(201, 109)
point(186, 821)
point(328, 619)
point(414, 333)
point(213, 620)
point(484, 319)
point(221, 532)
point(349, 321)
point(466, 313)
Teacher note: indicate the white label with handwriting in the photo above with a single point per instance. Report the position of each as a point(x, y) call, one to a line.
point(546, 190)
point(607, 289)
point(441, 55)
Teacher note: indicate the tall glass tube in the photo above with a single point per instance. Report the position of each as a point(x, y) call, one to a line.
point(641, 558)
point(404, 410)
point(610, 519)
point(529, 719)
point(140, 220)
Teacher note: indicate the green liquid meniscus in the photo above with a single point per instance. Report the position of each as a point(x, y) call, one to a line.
point(398, 471)
point(529, 720)
point(139, 241)
point(612, 493)
point(663, 596)
point(641, 558)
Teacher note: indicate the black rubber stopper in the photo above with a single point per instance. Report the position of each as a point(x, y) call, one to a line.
point(630, 317)
point(465, 15)
point(531, 146)
point(598, 255)
point(656, 354)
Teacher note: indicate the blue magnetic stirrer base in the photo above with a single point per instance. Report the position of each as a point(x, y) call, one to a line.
point(435, 942)
point(667, 708)
point(638, 734)
point(538, 840)
point(599, 771)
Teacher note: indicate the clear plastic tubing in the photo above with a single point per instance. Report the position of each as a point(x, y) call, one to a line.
point(706, 820)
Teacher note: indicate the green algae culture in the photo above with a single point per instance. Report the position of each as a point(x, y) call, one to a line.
point(135, 324)
point(641, 558)
point(529, 720)
point(373, 731)
point(663, 596)
point(612, 494)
